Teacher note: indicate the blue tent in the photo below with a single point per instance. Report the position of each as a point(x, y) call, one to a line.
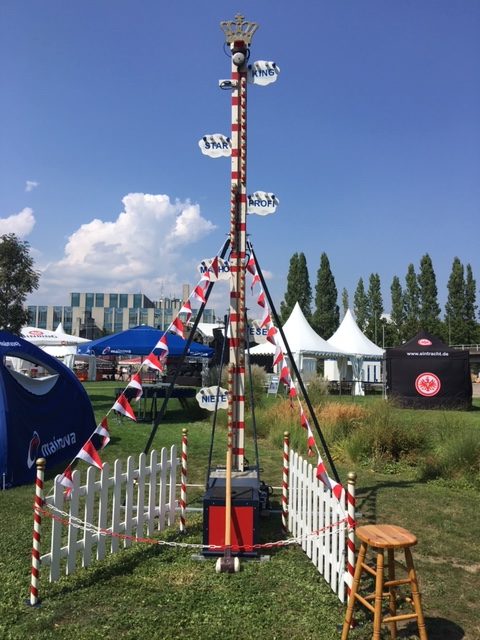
point(49, 417)
point(140, 341)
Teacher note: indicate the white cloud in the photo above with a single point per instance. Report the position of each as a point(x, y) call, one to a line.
point(30, 185)
point(143, 249)
point(21, 224)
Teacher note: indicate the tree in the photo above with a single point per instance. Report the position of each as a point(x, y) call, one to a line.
point(397, 314)
point(455, 305)
point(360, 305)
point(374, 307)
point(298, 288)
point(18, 278)
point(429, 310)
point(471, 328)
point(345, 303)
point(412, 304)
point(326, 317)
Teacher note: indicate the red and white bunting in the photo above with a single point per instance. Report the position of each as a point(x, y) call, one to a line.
point(292, 392)
point(199, 294)
point(255, 280)
point(103, 431)
point(215, 266)
point(177, 327)
point(186, 308)
point(90, 455)
point(278, 355)
point(152, 362)
point(162, 344)
point(303, 419)
point(261, 299)
point(123, 406)
point(266, 319)
point(136, 383)
point(335, 487)
point(251, 268)
point(285, 374)
point(66, 480)
point(310, 440)
point(271, 335)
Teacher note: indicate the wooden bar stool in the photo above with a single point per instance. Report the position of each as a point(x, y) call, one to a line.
point(381, 537)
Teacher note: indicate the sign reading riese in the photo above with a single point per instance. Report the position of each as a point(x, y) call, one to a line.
point(256, 332)
point(262, 203)
point(215, 145)
point(207, 398)
point(263, 72)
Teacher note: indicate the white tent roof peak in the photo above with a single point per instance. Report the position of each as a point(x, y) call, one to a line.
point(301, 338)
point(349, 338)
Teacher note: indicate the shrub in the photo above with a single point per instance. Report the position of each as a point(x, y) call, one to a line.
point(317, 389)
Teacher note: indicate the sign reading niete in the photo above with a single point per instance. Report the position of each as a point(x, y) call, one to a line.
point(207, 398)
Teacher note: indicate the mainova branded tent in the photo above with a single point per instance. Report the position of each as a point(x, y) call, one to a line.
point(305, 344)
point(351, 340)
point(49, 417)
point(140, 341)
point(427, 374)
point(44, 337)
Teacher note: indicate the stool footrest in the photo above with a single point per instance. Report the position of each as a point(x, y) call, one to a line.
point(365, 602)
point(369, 569)
point(402, 616)
point(396, 583)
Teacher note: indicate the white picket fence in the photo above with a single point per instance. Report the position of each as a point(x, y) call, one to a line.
point(313, 508)
point(133, 502)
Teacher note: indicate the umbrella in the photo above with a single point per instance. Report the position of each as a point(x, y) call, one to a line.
point(140, 341)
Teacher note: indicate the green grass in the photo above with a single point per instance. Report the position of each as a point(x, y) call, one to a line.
point(157, 592)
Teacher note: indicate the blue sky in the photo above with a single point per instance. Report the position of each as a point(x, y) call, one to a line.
point(370, 139)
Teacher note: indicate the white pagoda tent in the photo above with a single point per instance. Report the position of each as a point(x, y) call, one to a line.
point(352, 341)
point(305, 344)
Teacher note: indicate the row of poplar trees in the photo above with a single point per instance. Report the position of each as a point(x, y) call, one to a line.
point(413, 306)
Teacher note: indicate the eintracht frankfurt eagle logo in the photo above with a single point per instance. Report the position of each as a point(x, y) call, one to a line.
point(428, 384)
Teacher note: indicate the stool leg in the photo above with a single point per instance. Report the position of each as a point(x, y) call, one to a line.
point(377, 619)
point(351, 599)
point(417, 603)
point(392, 602)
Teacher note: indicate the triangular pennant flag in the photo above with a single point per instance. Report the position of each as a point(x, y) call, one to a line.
point(278, 355)
point(271, 334)
point(90, 455)
point(310, 440)
point(66, 480)
point(266, 319)
point(123, 406)
point(256, 278)
point(162, 345)
point(251, 268)
point(186, 308)
point(214, 266)
point(261, 299)
point(322, 474)
point(177, 327)
point(285, 374)
point(303, 419)
point(103, 431)
point(152, 362)
point(199, 294)
point(337, 489)
point(136, 383)
point(292, 392)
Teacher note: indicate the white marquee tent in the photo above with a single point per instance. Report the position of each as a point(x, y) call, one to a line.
point(305, 344)
point(350, 339)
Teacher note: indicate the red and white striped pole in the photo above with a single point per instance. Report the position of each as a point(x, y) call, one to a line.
point(238, 213)
point(285, 480)
point(183, 481)
point(351, 502)
point(37, 526)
